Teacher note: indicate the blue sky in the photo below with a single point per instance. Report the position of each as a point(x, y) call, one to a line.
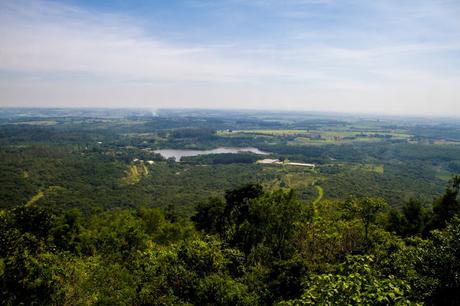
point(393, 57)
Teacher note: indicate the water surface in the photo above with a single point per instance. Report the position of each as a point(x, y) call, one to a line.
point(178, 154)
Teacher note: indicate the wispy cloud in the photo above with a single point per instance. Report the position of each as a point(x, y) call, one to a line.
point(57, 38)
point(321, 55)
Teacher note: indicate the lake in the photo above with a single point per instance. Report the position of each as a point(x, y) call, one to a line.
point(178, 154)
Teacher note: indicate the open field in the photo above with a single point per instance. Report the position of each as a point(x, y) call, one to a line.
point(301, 137)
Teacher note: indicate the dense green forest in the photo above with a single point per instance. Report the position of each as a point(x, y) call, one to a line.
point(92, 214)
point(250, 248)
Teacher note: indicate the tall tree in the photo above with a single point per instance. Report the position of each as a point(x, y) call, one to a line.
point(447, 206)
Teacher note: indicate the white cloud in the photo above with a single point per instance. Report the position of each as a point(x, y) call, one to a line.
point(53, 54)
point(50, 40)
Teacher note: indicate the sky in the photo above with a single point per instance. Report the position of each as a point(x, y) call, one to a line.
point(380, 56)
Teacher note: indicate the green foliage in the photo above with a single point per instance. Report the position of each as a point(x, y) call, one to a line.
point(431, 266)
point(29, 270)
point(365, 209)
point(355, 283)
point(272, 221)
point(210, 216)
point(115, 234)
point(447, 206)
point(252, 248)
point(192, 272)
point(253, 221)
point(327, 240)
point(454, 166)
point(410, 221)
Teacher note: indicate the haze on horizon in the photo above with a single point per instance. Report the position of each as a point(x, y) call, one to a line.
point(389, 57)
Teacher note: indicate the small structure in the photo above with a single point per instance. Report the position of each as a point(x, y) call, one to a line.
point(302, 164)
point(278, 162)
point(268, 161)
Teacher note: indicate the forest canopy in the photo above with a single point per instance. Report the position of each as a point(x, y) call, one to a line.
point(250, 248)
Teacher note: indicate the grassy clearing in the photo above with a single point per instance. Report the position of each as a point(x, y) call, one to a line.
point(275, 132)
point(276, 176)
point(295, 178)
point(132, 176)
point(372, 168)
point(48, 191)
point(377, 168)
point(446, 142)
point(134, 173)
point(304, 137)
point(443, 175)
point(35, 198)
point(38, 122)
point(318, 199)
point(320, 194)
